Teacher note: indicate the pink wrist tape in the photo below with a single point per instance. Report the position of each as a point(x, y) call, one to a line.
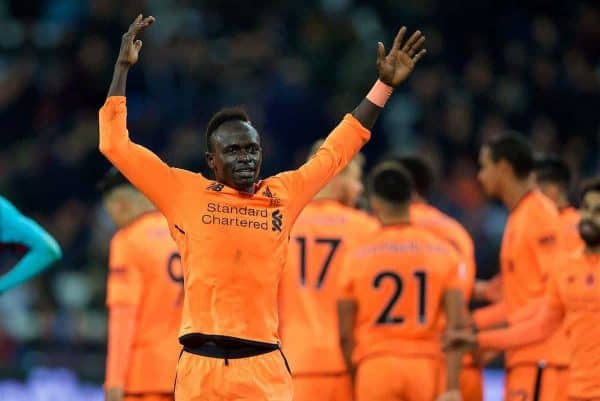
point(380, 93)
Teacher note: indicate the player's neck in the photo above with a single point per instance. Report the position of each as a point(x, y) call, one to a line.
point(327, 194)
point(515, 192)
point(416, 198)
point(393, 218)
point(562, 202)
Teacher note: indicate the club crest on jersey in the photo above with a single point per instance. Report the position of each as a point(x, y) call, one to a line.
point(216, 187)
point(277, 222)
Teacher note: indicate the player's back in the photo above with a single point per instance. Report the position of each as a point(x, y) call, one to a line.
point(145, 271)
point(569, 221)
point(398, 280)
point(451, 231)
point(531, 247)
point(320, 239)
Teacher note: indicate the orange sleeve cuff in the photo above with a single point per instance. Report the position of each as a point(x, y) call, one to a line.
point(490, 316)
point(121, 331)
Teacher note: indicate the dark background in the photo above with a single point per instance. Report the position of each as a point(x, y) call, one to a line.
point(297, 67)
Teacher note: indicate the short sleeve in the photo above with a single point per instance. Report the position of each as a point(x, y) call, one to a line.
point(124, 277)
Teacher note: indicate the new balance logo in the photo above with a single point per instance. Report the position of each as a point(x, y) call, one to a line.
point(216, 186)
point(277, 221)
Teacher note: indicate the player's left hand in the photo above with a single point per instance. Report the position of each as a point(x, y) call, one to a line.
point(450, 395)
point(402, 58)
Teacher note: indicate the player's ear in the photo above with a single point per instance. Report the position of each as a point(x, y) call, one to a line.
point(210, 160)
point(504, 167)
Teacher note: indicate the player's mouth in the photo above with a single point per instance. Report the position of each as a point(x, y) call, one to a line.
point(245, 172)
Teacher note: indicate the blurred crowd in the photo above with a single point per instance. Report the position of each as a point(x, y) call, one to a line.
point(297, 66)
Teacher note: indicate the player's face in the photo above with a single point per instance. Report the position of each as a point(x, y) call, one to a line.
point(352, 186)
point(236, 156)
point(589, 226)
point(489, 172)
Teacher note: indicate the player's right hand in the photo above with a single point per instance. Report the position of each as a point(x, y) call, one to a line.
point(130, 46)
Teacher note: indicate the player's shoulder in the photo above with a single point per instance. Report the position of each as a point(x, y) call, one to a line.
point(359, 218)
point(536, 213)
point(570, 214)
point(535, 205)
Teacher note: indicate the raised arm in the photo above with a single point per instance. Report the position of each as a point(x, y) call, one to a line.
point(42, 250)
point(345, 141)
point(141, 167)
point(393, 69)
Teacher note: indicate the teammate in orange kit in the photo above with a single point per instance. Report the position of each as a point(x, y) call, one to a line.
point(321, 237)
point(445, 227)
point(233, 232)
point(573, 296)
point(553, 177)
point(395, 287)
point(144, 295)
point(530, 249)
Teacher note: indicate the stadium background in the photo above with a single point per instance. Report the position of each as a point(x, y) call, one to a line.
point(297, 66)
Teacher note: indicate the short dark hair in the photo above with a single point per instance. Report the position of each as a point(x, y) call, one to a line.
point(589, 185)
point(515, 149)
point(550, 168)
point(420, 171)
point(391, 182)
point(222, 116)
point(111, 180)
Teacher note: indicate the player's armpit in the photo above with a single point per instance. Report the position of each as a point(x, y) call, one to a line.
point(142, 168)
point(121, 331)
point(490, 316)
point(340, 147)
point(347, 309)
point(530, 331)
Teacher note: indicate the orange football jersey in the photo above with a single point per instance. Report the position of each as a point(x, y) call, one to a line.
point(398, 280)
point(145, 271)
point(569, 222)
point(233, 245)
point(309, 290)
point(531, 247)
point(573, 299)
point(451, 231)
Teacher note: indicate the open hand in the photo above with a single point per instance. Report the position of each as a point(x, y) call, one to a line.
point(400, 61)
point(130, 46)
